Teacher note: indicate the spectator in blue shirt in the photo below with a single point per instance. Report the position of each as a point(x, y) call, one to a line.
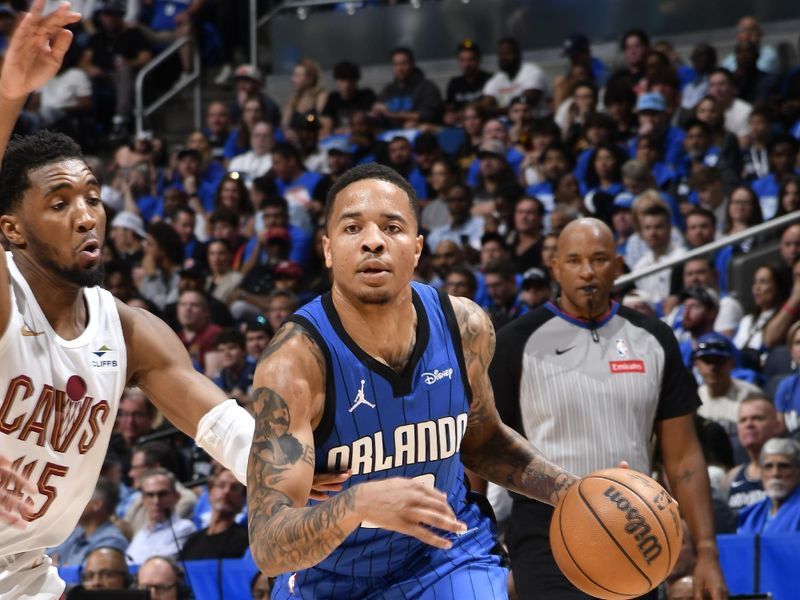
point(651, 109)
point(787, 396)
point(782, 152)
point(779, 512)
point(94, 530)
point(236, 375)
point(555, 162)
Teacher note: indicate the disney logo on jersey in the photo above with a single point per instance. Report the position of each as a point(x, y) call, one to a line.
point(431, 378)
point(106, 359)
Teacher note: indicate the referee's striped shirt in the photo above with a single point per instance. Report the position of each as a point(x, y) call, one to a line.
point(585, 394)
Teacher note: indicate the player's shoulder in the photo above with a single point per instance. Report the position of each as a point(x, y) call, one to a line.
point(656, 327)
point(296, 345)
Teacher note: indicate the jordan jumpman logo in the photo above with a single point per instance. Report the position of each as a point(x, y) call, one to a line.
point(361, 399)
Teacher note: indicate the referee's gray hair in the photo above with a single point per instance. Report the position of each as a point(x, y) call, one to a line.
point(785, 446)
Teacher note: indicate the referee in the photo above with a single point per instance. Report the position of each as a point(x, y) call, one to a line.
point(588, 382)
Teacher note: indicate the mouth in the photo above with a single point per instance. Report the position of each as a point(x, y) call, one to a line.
point(90, 249)
point(588, 290)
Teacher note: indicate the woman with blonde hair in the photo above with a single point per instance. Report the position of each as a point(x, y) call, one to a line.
point(308, 98)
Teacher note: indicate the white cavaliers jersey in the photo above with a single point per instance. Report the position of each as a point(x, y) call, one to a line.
point(59, 402)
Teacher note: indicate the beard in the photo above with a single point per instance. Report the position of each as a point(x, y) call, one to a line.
point(47, 257)
point(374, 297)
point(776, 489)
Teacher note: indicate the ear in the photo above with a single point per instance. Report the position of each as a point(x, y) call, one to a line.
point(619, 264)
point(326, 251)
point(418, 249)
point(12, 229)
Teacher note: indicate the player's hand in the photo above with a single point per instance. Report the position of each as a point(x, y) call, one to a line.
point(708, 579)
point(409, 507)
point(36, 50)
point(325, 483)
point(15, 488)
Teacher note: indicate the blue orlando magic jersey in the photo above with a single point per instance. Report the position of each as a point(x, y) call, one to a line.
point(383, 424)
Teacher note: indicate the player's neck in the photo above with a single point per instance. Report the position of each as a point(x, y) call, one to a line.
point(61, 302)
point(385, 331)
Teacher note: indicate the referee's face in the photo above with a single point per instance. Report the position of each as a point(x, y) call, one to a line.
point(585, 267)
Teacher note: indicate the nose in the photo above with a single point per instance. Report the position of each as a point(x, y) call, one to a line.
point(586, 270)
point(372, 240)
point(85, 219)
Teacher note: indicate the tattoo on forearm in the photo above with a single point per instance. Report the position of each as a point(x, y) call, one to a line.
point(504, 457)
point(286, 539)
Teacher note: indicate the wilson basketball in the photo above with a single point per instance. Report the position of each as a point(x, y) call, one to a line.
point(616, 534)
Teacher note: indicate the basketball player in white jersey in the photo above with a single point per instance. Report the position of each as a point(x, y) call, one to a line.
point(67, 347)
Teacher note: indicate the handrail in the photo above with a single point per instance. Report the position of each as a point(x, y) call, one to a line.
point(710, 247)
point(142, 111)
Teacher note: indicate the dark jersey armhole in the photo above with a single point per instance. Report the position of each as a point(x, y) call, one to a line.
point(678, 395)
point(455, 333)
point(323, 430)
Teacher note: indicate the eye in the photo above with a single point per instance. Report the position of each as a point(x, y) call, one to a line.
point(58, 205)
point(393, 228)
point(352, 228)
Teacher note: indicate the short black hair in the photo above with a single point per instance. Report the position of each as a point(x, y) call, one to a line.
point(503, 268)
point(403, 50)
point(230, 336)
point(702, 212)
point(273, 201)
point(346, 70)
point(27, 153)
point(168, 241)
point(371, 171)
point(224, 215)
point(781, 139)
point(288, 151)
point(638, 33)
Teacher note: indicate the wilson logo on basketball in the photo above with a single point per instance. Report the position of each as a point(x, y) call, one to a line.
point(637, 526)
point(626, 366)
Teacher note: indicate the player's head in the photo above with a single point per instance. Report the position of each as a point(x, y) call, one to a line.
point(585, 266)
point(372, 242)
point(50, 208)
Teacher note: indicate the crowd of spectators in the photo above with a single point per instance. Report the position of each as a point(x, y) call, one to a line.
point(223, 237)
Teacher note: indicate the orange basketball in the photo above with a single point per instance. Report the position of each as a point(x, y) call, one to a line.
point(616, 534)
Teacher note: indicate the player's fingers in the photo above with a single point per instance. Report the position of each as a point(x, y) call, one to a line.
point(433, 518)
point(321, 479)
point(328, 487)
point(425, 535)
point(623, 464)
point(60, 44)
point(14, 480)
point(319, 496)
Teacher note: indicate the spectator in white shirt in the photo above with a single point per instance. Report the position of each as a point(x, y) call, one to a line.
point(463, 229)
point(656, 230)
point(258, 160)
point(164, 533)
point(737, 112)
point(516, 78)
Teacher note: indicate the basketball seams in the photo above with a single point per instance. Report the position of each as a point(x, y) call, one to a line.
point(647, 504)
point(575, 562)
point(611, 536)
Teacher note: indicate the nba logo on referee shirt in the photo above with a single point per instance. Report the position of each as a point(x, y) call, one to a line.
point(622, 348)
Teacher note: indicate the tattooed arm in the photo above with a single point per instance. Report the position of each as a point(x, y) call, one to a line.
point(688, 477)
point(491, 449)
point(285, 535)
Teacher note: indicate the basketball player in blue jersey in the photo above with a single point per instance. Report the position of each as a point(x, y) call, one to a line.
point(385, 379)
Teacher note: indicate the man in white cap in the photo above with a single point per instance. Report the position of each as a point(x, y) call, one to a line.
point(127, 234)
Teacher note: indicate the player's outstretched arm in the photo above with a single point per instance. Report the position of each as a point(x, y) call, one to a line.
point(285, 535)
point(490, 448)
point(34, 56)
point(160, 365)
